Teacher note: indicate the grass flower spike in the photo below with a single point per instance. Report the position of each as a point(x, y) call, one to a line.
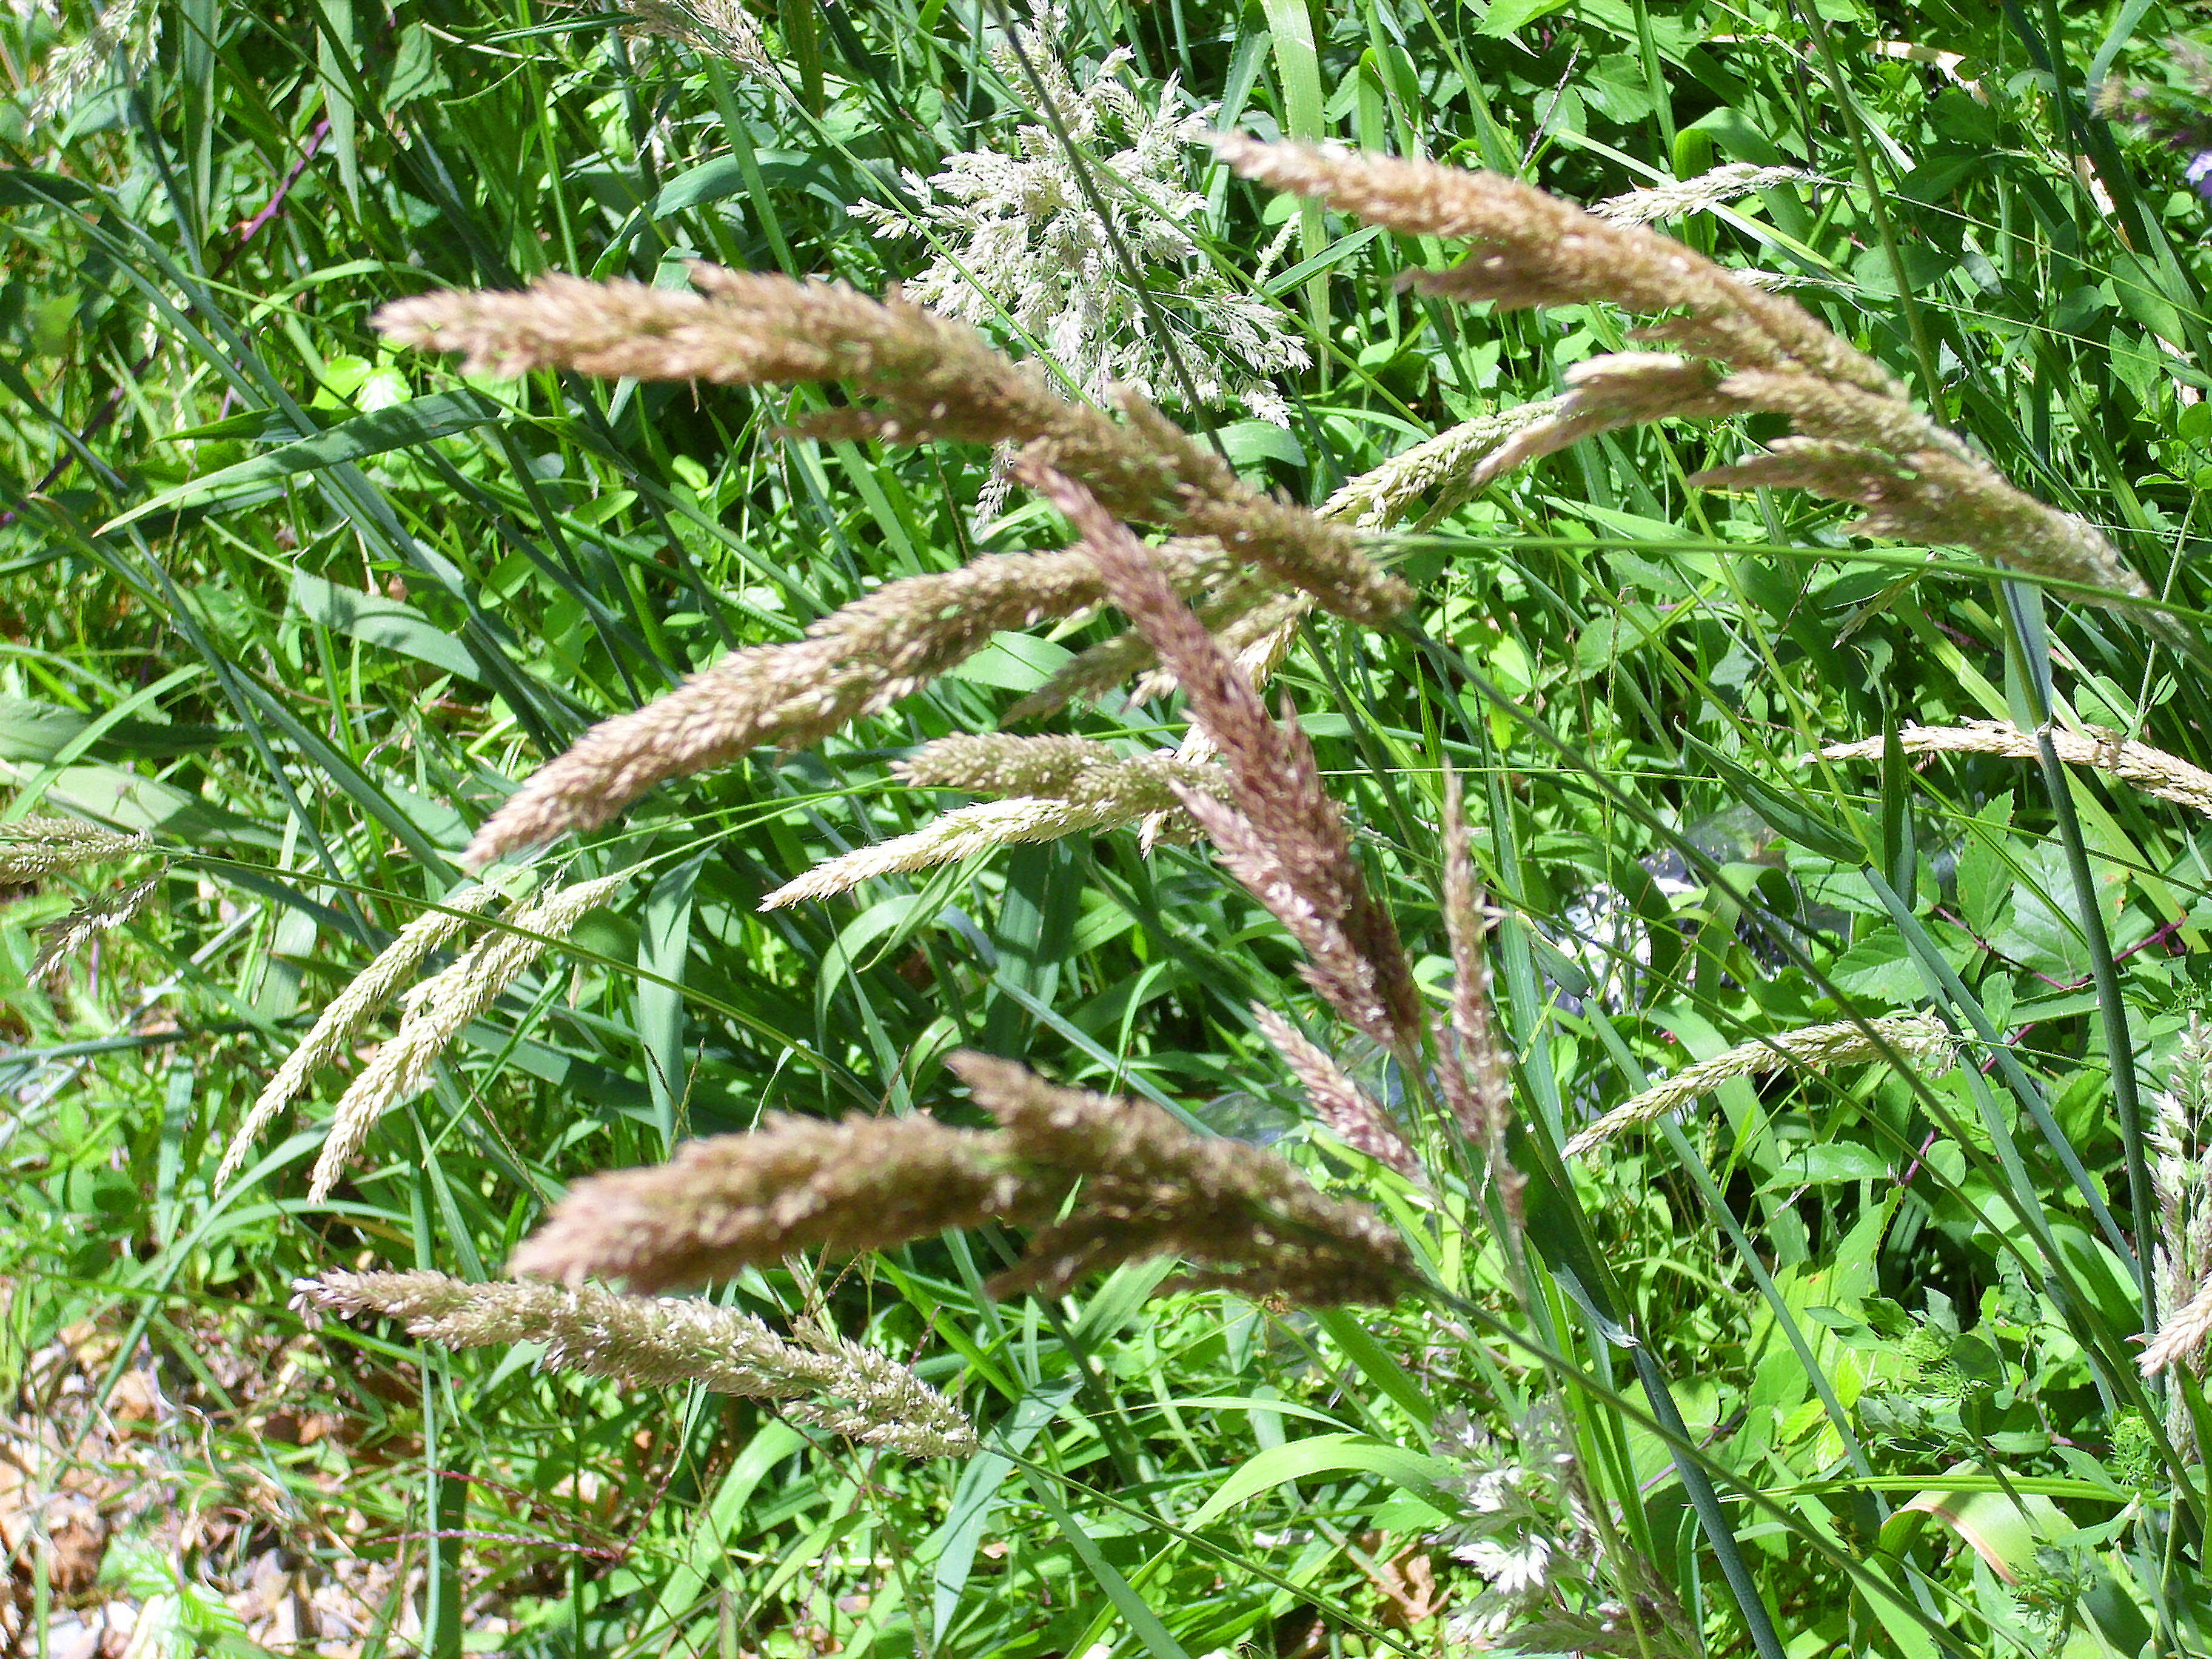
point(103, 912)
point(1679, 198)
point(1845, 1042)
point(345, 1014)
point(1475, 1071)
point(722, 27)
point(793, 1185)
point(34, 848)
point(1248, 1220)
point(661, 1342)
point(1143, 1186)
point(931, 379)
point(1022, 240)
point(2181, 1180)
point(1348, 1110)
point(1056, 787)
point(1277, 832)
point(441, 1007)
point(1742, 350)
point(1532, 249)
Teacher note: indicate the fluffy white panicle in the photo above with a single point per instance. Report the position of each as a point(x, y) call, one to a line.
point(1021, 242)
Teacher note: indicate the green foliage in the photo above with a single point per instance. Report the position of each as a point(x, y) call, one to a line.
point(301, 607)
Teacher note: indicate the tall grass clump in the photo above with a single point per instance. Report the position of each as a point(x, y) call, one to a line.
point(913, 830)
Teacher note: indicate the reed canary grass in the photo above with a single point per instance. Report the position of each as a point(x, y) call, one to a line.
point(103, 912)
point(1252, 607)
point(1474, 1072)
point(1678, 198)
point(1443, 466)
point(441, 1007)
point(663, 1342)
point(1346, 1109)
point(963, 832)
point(2181, 1338)
point(1114, 661)
point(793, 1185)
point(2181, 1181)
point(1919, 1037)
point(1056, 787)
point(1141, 1185)
point(1743, 349)
point(1535, 250)
point(34, 848)
point(334, 1030)
point(931, 378)
point(2153, 771)
point(723, 28)
point(1277, 832)
point(1248, 1220)
point(854, 662)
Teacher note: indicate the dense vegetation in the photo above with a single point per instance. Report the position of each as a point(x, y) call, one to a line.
point(1829, 1360)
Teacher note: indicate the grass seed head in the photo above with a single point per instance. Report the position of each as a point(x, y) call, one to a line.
point(663, 1342)
point(722, 1205)
point(100, 914)
point(1919, 1037)
point(34, 848)
point(1535, 250)
point(1279, 831)
point(1247, 1219)
point(440, 1008)
point(342, 1017)
point(1348, 1111)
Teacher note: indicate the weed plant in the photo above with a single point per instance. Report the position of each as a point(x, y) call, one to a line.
point(1507, 962)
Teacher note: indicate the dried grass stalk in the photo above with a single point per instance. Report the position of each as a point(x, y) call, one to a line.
point(2154, 771)
point(441, 1007)
point(34, 848)
point(1280, 834)
point(1346, 1109)
point(333, 1033)
point(103, 912)
point(1919, 1037)
point(1143, 1187)
point(661, 1342)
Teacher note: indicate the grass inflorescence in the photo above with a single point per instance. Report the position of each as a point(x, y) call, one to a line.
point(1319, 904)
